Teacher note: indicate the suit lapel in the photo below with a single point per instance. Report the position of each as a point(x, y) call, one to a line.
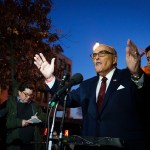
point(92, 108)
point(115, 81)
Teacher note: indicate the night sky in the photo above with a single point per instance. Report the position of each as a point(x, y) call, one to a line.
point(112, 22)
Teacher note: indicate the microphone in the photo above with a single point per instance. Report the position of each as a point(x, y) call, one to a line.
point(65, 78)
point(75, 79)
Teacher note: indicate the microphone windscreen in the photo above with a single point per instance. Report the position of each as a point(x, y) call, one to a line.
point(76, 78)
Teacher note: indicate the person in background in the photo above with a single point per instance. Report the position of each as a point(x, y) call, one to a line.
point(22, 131)
point(146, 69)
point(124, 111)
point(3, 112)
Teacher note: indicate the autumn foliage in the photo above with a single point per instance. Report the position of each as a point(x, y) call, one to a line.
point(25, 29)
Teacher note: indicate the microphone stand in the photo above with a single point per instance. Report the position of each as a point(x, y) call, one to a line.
point(48, 121)
point(52, 128)
point(62, 122)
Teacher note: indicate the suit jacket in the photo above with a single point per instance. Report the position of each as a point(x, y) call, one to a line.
point(125, 112)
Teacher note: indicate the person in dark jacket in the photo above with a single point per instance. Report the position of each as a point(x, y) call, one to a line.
point(125, 109)
point(22, 112)
point(146, 68)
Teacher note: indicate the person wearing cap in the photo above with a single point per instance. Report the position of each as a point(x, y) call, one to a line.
point(146, 69)
point(124, 112)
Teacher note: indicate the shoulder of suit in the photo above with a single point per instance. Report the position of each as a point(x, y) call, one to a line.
point(12, 98)
point(92, 79)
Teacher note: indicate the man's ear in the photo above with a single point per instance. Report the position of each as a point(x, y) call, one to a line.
point(115, 59)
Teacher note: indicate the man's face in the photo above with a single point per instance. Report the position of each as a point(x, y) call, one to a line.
point(26, 95)
point(105, 61)
point(148, 58)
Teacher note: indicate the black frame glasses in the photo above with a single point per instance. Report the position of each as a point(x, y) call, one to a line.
point(101, 54)
point(27, 95)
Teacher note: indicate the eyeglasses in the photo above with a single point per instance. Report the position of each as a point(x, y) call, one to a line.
point(101, 54)
point(148, 58)
point(27, 95)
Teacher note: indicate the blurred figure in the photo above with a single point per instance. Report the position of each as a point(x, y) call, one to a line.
point(24, 120)
point(146, 69)
point(3, 112)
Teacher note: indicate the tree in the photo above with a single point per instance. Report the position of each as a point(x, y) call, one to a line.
point(25, 30)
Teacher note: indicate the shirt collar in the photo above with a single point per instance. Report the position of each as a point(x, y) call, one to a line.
point(109, 75)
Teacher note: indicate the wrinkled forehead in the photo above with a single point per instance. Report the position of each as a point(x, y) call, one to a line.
point(98, 47)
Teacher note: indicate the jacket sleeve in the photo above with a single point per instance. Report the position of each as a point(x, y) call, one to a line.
point(11, 120)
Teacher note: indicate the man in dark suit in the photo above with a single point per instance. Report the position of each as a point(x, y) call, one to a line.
point(125, 109)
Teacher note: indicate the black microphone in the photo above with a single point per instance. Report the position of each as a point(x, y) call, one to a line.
point(65, 78)
point(75, 79)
